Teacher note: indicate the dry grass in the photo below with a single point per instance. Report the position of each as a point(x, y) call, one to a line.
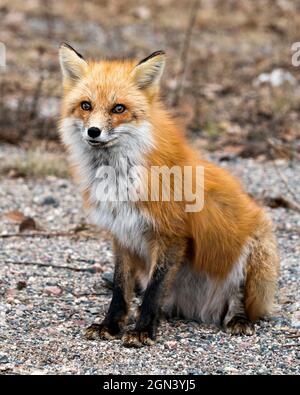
point(36, 163)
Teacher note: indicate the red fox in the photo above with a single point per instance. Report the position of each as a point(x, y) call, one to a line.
point(216, 264)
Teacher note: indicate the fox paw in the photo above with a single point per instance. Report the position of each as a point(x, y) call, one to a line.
point(138, 339)
point(102, 331)
point(240, 326)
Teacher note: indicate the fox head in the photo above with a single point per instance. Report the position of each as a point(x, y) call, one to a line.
point(108, 103)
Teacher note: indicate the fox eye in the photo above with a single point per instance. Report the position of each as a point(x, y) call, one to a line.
point(86, 105)
point(118, 109)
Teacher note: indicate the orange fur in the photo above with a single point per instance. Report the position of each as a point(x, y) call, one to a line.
point(229, 218)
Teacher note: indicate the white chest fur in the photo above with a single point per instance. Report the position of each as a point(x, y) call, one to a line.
point(125, 222)
point(122, 218)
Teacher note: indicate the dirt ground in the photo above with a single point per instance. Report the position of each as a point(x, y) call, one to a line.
point(52, 287)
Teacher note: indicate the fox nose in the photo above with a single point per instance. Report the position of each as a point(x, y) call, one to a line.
point(94, 132)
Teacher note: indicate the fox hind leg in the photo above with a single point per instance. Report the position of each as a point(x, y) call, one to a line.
point(255, 298)
point(236, 321)
point(262, 273)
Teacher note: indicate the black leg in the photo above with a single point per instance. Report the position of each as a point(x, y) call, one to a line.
point(171, 256)
point(146, 326)
point(118, 309)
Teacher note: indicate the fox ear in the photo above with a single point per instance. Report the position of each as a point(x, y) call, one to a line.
point(71, 62)
point(147, 72)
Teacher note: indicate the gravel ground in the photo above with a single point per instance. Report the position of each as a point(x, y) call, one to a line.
point(44, 309)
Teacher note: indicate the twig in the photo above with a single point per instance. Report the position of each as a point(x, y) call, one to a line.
point(91, 294)
point(48, 15)
point(181, 73)
point(1, 100)
point(43, 234)
point(279, 201)
point(291, 345)
point(284, 180)
point(63, 267)
point(293, 336)
point(36, 99)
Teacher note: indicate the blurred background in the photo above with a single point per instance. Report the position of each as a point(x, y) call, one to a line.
point(229, 76)
point(230, 82)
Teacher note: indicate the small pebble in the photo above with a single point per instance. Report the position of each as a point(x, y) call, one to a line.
point(53, 290)
point(50, 201)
